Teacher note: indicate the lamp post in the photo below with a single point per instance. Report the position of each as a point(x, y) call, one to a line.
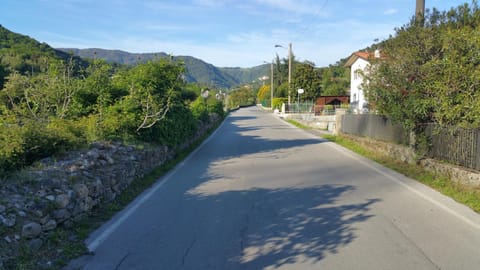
point(289, 68)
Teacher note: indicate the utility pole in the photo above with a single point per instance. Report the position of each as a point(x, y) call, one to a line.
point(289, 71)
point(271, 85)
point(420, 10)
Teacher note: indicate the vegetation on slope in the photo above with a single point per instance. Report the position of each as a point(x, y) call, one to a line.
point(50, 104)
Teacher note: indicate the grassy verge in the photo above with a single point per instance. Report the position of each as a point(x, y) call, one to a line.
point(460, 193)
point(297, 124)
point(65, 244)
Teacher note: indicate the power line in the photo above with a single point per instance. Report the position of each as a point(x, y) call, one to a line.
point(307, 27)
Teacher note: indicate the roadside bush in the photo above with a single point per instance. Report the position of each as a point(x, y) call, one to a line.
point(119, 121)
point(199, 109)
point(11, 142)
point(22, 144)
point(277, 102)
point(175, 128)
point(215, 106)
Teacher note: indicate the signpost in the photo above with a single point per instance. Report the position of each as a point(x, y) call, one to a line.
point(299, 91)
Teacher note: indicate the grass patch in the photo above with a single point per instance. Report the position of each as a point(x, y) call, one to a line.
point(460, 193)
point(297, 124)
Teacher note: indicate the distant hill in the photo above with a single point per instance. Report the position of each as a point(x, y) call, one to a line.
point(114, 56)
point(25, 55)
point(196, 70)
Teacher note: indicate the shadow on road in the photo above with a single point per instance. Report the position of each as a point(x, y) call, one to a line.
point(292, 225)
point(244, 135)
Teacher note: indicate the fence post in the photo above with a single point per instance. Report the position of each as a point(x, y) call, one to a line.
point(477, 156)
point(338, 120)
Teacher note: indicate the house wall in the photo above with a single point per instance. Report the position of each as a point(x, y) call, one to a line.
point(357, 97)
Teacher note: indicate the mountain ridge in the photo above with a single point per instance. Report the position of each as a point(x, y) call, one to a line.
point(197, 70)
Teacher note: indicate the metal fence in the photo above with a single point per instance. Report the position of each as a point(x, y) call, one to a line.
point(455, 145)
point(304, 107)
point(374, 126)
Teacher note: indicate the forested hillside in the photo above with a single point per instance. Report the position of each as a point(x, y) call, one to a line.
point(23, 54)
point(114, 56)
point(197, 71)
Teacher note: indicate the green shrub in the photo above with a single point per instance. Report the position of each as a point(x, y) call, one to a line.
point(199, 109)
point(178, 125)
point(11, 150)
point(22, 144)
point(215, 106)
point(277, 102)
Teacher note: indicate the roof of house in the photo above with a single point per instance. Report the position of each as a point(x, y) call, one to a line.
point(367, 56)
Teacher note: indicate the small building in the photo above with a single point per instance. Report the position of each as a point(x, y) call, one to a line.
point(333, 101)
point(358, 64)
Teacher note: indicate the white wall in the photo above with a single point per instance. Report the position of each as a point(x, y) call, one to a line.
point(357, 96)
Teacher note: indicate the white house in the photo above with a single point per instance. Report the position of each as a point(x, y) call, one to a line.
point(358, 63)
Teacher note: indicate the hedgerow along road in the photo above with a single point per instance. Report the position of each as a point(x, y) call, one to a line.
point(262, 194)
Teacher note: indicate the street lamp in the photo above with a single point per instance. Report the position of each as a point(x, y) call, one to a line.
point(289, 67)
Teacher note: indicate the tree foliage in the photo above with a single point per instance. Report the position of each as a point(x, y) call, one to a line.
point(243, 96)
point(308, 79)
point(263, 94)
point(61, 106)
point(432, 70)
point(335, 80)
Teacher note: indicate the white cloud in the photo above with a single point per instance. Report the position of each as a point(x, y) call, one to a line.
point(297, 6)
point(390, 11)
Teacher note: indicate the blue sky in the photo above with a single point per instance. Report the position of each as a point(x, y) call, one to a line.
point(228, 33)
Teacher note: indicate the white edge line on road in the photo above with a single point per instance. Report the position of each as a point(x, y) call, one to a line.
point(93, 245)
point(405, 185)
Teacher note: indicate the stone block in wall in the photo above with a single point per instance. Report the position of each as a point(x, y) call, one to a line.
point(81, 190)
point(62, 200)
point(464, 176)
point(31, 230)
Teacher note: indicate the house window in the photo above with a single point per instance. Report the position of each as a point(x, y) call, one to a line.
point(357, 75)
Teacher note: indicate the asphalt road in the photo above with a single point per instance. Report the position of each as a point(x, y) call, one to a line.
point(262, 194)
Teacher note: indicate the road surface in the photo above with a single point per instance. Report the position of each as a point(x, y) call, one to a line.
point(262, 194)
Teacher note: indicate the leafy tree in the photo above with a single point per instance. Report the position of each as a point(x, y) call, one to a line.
point(243, 96)
point(43, 95)
point(263, 94)
point(431, 72)
point(3, 75)
point(307, 78)
point(335, 80)
point(281, 90)
point(97, 90)
point(150, 87)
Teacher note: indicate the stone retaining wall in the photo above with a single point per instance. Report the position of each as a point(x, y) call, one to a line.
point(458, 174)
point(395, 151)
point(60, 192)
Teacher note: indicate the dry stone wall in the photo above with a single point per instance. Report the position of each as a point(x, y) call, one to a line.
point(59, 192)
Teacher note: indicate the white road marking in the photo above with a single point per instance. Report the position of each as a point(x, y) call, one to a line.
point(93, 245)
